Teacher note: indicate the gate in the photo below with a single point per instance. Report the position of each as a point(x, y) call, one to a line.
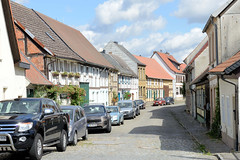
point(85, 86)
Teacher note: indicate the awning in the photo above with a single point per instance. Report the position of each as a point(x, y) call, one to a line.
point(228, 66)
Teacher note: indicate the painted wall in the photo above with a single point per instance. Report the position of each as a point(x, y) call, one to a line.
point(227, 105)
point(12, 79)
point(230, 32)
point(166, 68)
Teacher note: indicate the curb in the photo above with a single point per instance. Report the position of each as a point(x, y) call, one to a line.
point(219, 157)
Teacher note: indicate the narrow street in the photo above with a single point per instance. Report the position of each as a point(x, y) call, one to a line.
point(155, 134)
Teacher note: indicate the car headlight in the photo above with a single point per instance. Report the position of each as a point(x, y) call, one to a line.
point(25, 126)
point(114, 117)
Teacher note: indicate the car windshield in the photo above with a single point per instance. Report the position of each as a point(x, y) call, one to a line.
point(138, 102)
point(94, 109)
point(20, 107)
point(69, 111)
point(125, 105)
point(112, 109)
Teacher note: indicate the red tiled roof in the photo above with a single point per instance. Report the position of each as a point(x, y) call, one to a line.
point(76, 41)
point(223, 66)
point(182, 66)
point(154, 69)
point(33, 74)
point(166, 58)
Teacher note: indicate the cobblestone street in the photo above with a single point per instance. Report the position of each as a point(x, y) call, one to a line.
point(155, 134)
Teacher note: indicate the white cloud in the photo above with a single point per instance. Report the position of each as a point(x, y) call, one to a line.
point(113, 11)
point(22, 1)
point(140, 26)
point(184, 41)
point(197, 11)
point(120, 20)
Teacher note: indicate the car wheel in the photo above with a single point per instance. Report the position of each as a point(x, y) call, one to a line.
point(75, 139)
point(61, 147)
point(36, 150)
point(122, 122)
point(85, 137)
point(109, 128)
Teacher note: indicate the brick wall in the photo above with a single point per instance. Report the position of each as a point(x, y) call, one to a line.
point(34, 53)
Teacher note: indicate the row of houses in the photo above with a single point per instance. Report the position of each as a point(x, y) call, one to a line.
point(37, 50)
point(212, 74)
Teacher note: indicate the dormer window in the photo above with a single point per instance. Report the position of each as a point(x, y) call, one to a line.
point(50, 36)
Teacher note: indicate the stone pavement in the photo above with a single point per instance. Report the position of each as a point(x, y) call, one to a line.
point(198, 133)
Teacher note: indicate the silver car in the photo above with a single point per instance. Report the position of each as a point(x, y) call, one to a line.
point(78, 123)
point(127, 108)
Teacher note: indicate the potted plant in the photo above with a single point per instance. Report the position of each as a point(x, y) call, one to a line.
point(70, 74)
point(55, 73)
point(77, 75)
point(64, 74)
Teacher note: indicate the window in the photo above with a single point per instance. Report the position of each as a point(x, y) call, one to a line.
point(61, 66)
point(86, 70)
point(65, 66)
point(82, 69)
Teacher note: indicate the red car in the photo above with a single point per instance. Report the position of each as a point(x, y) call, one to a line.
point(159, 101)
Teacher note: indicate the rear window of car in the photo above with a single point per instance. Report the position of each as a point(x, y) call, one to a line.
point(125, 105)
point(112, 109)
point(69, 111)
point(94, 109)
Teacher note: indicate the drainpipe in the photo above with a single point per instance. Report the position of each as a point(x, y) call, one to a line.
point(236, 109)
point(47, 66)
point(216, 39)
point(195, 114)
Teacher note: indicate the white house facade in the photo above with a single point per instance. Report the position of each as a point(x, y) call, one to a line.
point(12, 70)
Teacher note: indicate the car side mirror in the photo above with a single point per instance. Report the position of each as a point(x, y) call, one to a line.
point(48, 111)
point(108, 111)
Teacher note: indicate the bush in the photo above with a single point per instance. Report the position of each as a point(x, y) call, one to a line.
point(127, 95)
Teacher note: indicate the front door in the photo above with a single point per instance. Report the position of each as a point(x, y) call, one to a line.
point(85, 86)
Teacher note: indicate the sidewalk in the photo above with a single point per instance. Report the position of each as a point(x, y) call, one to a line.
point(198, 133)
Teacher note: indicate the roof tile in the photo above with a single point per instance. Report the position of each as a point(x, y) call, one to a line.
point(154, 69)
point(76, 41)
point(223, 66)
point(33, 74)
point(166, 58)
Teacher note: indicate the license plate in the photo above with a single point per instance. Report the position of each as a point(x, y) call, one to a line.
point(92, 125)
point(3, 138)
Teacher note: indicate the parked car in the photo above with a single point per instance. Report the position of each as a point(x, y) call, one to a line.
point(78, 123)
point(169, 100)
point(159, 101)
point(29, 124)
point(137, 108)
point(116, 116)
point(140, 103)
point(98, 117)
point(127, 108)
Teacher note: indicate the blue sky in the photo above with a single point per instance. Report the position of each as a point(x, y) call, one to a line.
point(142, 26)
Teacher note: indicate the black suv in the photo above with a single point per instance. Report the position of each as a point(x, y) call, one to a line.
point(29, 124)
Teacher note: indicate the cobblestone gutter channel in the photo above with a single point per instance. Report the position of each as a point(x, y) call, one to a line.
point(200, 146)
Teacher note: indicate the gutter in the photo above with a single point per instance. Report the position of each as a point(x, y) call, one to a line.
point(235, 111)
